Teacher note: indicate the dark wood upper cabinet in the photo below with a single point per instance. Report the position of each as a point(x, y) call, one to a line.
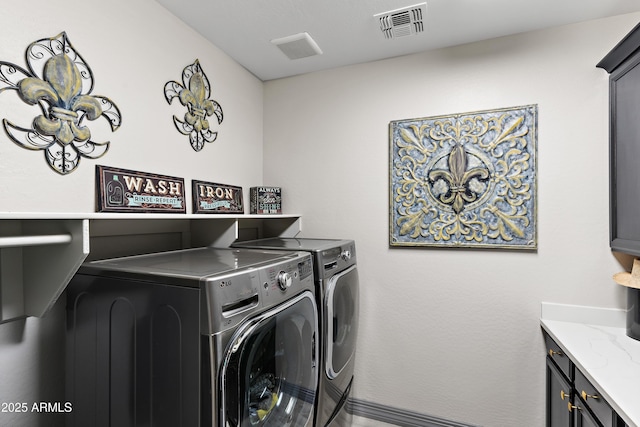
point(622, 63)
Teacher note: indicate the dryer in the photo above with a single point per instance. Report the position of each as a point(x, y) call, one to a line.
point(200, 337)
point(337, 293)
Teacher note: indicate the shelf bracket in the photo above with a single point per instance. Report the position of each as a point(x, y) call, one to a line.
point(37, 261)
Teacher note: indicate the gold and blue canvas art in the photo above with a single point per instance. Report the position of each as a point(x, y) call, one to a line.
point(465, 180)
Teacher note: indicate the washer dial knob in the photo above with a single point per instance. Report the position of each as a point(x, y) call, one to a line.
point(284, 280)
point(345, 255)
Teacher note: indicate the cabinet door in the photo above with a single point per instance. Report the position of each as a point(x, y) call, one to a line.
point(624, 151)
point(583, 416)
point(594, 401)
point(558, 397)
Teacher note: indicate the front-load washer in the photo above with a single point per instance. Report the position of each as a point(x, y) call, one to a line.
point(337, 293)
point(198, 337)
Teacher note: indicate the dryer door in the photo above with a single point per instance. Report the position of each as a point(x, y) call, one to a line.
point(342, 320)
point(269, 377)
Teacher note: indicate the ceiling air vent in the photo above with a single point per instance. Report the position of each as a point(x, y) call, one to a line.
point(402, 22)
point(298, 46)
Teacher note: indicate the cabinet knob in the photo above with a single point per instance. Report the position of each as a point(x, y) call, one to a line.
point(553, 353)
point(563, 394)
point(571, 407)
point(586, 396)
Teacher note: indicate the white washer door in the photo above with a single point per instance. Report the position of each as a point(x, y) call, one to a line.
point(269, 377)
point(342, 320)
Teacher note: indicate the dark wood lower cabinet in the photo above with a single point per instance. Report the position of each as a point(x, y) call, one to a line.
point(558, 396)
point(572, 401)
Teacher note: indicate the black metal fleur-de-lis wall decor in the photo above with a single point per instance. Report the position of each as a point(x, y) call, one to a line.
point(60, 82)
point(194, 93)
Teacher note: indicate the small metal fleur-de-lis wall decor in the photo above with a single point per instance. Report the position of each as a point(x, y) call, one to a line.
point(194, 94)
point(59, 81)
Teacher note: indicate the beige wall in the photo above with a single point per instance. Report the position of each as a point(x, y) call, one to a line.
point(455, 333)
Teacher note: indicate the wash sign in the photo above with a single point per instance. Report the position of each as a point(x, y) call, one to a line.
point(122, 190)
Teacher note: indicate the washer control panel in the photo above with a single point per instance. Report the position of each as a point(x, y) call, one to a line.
point(337, 259)
point(280, 282)
point(233, 297)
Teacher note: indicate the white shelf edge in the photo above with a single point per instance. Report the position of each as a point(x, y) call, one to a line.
point(142, 215)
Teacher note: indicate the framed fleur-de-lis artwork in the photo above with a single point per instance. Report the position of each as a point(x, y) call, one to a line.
point(465, 180)
point(194, 93)
point(58, 81)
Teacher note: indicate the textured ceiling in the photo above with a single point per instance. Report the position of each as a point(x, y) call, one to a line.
point(347, 32)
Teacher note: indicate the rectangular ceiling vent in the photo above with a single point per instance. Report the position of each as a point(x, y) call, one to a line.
point(298, 46)
point(403, 22)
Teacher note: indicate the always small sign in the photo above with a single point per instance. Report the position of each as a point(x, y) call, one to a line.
point(122, 190)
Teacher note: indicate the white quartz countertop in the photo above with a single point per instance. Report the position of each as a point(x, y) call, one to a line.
point(596, 340)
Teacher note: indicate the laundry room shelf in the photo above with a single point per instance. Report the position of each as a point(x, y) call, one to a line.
point(40, 252)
